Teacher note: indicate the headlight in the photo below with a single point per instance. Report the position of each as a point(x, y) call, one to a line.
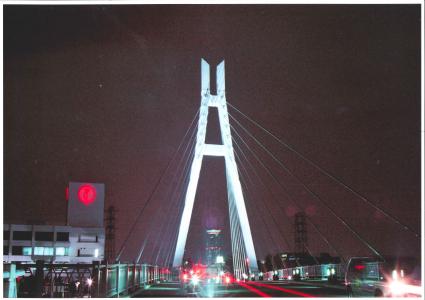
point(397, 288)
point(195, 279)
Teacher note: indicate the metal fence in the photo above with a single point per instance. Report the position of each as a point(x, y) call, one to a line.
point(79, 280)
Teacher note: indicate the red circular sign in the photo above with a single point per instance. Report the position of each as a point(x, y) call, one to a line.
point(87, 194)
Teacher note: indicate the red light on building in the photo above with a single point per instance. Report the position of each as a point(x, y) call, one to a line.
point(87, 194)
point(67, 193)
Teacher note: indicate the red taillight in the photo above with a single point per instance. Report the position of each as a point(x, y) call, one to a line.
point(359, 267)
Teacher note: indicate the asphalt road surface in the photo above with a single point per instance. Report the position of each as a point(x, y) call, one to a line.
point(244, 289)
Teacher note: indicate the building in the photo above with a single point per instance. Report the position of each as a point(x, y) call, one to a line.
point(214, 246)
point(55, 244)
point(81, 240)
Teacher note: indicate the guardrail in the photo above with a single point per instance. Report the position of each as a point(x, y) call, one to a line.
point(79, 280)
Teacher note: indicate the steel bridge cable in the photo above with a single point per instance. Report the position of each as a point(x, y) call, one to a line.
point(143, 244)
point(154, 189)
point(160, 211)
point(348, 226)
point(177, 195)
point(180, 201)
point(256, 210)
point(252, 168)
point(261, 199)
point(269, 211)
point(261, 181)
point(239, 257)
point(268, 189)
point(329, 175)
point(172, 190)
point(180, 196)
point(182, 179)
point(244, 182)
point(285, 191)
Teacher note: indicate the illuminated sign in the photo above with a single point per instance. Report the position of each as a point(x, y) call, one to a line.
point(87, 194)
point(86, 204)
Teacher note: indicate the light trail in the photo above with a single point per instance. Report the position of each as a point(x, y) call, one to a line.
point(254, 290)
point(289, 291)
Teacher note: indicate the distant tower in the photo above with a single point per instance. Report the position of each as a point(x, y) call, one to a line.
point(110, 233)
point(214, 245)
point(300, 233)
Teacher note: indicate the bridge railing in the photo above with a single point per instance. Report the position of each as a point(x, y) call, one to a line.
point(321, 272)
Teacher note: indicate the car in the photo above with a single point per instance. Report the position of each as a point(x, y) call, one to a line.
point(391, 277)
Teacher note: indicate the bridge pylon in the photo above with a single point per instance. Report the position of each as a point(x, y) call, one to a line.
point(244, 258)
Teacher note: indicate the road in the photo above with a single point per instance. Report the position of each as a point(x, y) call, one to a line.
point(241, 289)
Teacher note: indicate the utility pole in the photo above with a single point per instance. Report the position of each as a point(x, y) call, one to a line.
point(110, 233)
point(300, 233)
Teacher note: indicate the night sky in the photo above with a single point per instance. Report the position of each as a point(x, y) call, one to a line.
point(106, 93)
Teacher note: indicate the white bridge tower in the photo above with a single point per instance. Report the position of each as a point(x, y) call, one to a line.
point(244, 258)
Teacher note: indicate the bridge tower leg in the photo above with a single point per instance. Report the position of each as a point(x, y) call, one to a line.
point(240, 225)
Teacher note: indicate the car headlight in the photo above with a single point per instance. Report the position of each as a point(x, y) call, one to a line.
point(195, 279)
point(397, 288)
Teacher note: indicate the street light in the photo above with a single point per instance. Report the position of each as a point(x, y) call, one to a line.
point(89, 283)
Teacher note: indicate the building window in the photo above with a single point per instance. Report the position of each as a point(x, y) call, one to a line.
point(44, 236)
point(5, 250)
point(27, 251)
point(6, 235)
point(22, 235)
point(45, 251)
point(62, 236)
point(88, 238)
point(62, 251)
point(17, 250)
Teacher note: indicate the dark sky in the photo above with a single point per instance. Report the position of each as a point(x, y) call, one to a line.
point(105, 94)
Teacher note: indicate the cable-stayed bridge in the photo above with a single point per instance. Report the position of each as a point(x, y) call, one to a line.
point(266, 185)
point(259, 181)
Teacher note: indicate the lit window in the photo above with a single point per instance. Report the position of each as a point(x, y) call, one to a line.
point(62, 251)
point(96, 252)
point(38, 250)
point(26, 251)
point(48, 250)
point(43, 251)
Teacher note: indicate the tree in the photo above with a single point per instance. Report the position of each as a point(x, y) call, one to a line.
point(269, 262)
point(261, 266)
point(278, 261)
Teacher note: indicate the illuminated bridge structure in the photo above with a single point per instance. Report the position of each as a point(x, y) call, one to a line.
point(244, 258)
point(253, 164)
